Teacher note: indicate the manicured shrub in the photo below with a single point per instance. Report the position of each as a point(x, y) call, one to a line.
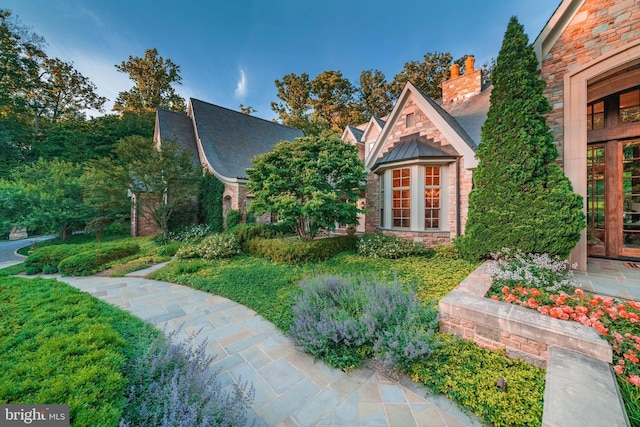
point(170, 386)
point(234, 217)
point(296, 251)
point(89, 262)
point(344, 321)
point(49, 257)
point(169, 249)
point(447, 251)
point(467, 374)
point(246, 232)
point(521, 198)
point(381, 246)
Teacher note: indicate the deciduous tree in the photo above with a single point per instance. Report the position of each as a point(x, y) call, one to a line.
point(153, 77)
point(314, 182)
point(374, 96)
point(165, 180)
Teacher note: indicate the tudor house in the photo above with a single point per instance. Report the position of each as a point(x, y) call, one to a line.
point(224, 142)
point(421, 159)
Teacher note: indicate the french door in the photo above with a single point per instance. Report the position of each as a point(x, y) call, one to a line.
point(613, 199)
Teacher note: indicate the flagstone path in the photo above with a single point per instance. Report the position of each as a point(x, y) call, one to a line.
point(290, 388)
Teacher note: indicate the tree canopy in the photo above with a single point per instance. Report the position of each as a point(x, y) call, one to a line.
point(521, 198)
point(153, 77)
point(314, 182)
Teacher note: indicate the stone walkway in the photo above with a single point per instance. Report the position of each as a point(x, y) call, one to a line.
point(291, 389)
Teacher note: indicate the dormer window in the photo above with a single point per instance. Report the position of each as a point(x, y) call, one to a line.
point(595, 115)
point(410, 120)
point(630, 106)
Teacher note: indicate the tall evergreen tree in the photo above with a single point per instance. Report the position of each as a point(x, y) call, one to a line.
point(521, 198)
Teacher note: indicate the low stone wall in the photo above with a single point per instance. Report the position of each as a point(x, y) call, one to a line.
point(580, 386)
point(522, 332)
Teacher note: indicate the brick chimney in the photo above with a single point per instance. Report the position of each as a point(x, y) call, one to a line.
point(461, 87)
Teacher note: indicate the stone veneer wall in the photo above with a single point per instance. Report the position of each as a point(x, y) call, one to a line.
point(523, 333)
point(598, 27)
point(424, 127)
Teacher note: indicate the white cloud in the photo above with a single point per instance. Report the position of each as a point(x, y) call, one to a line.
point(241, 88)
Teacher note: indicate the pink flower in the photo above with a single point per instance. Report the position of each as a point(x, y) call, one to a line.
point(619, 369)
point(634, 379)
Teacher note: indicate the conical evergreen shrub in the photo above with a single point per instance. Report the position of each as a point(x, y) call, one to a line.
point(521, 198)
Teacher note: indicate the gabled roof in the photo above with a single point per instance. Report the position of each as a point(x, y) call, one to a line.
point(448, 126)
point(229, 140)
point(374, 122)
point(177, 127)
point(355, 133)
point(554, 27)
point(413, 149)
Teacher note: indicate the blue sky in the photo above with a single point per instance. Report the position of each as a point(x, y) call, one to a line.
point(231, 51)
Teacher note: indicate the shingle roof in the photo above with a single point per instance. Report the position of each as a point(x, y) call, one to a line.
point(380, 122)
point(472, 113)
point(416, 148)
point(178, 127)
point(230, 140)
point(357, 133)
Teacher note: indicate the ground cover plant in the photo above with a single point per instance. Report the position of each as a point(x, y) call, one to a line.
point(467, 374)
point(542, 283)
point(60, 345)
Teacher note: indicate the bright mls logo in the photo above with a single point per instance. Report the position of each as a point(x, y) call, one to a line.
point(34, 415)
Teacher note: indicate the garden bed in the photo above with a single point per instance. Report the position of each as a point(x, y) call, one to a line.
point(526, 334)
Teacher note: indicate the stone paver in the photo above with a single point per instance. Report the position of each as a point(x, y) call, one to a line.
point(291, 389)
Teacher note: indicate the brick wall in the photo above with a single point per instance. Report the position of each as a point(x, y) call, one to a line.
point(461, 88)
point(598, 27)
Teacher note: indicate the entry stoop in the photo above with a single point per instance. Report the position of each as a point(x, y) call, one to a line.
point(581, 391)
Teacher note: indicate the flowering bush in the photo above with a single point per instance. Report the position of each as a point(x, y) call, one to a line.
point(531, 271)
point(215, 246)
point(380, 246)
point(344, 321)
point(192, 234)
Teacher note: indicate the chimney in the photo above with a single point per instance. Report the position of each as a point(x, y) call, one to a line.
point(455, 71)
point(461, 87)
point(469, 63)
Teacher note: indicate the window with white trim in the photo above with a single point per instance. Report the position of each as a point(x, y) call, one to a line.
point(431, 197)
point(401, 198)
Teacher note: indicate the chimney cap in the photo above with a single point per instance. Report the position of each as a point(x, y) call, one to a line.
point(469, 64)
point(455, 71)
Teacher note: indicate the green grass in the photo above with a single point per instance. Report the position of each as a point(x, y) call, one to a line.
point(60, 345)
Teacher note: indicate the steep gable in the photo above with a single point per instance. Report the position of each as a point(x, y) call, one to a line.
point(416, 113)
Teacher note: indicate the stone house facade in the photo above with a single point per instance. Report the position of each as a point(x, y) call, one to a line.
point(589, 56)
point(421, 159)
point(224, 142)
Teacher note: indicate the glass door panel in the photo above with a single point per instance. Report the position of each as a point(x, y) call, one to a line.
point(631, 195)
point(596, 225)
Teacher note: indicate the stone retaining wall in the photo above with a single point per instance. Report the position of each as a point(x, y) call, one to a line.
point(522, 332)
